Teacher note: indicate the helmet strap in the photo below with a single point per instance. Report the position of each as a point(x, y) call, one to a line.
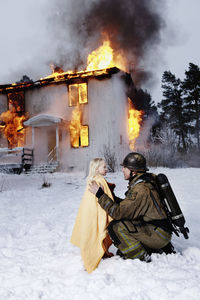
point(132, 173)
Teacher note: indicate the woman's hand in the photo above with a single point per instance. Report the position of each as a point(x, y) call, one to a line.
point(93, 187)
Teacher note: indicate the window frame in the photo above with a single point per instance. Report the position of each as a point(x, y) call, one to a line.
point(77, 102)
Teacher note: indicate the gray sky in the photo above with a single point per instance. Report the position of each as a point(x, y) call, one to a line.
point(27, 47)
point(182, 40)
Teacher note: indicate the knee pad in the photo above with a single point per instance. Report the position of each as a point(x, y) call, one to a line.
point(112, 234)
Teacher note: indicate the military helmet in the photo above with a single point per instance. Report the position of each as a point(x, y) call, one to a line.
point(135, 161)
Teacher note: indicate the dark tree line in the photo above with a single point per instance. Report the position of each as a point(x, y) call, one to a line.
point(175, 133)
point(180, 107)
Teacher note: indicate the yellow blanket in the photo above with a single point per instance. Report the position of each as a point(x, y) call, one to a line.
point(89, 232)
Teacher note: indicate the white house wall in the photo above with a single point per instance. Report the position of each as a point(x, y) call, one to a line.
point(51, 99)
point(106, 115)
point(109, 122)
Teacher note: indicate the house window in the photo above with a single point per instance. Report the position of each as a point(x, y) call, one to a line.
point(16, 102)
point(78, 94)
point(13, 129)
point(84, 136)
point(79, 138)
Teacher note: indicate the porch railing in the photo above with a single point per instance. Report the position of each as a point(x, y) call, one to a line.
point(27, 158)
point(52, 156)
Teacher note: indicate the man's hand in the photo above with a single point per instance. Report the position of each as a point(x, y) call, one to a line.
point(93, 187)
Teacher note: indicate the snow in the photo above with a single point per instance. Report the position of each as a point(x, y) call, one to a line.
point(37, 260)
point(42, 120)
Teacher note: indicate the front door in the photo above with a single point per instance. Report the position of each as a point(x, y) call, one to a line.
point(45, 142)
point(51, 133)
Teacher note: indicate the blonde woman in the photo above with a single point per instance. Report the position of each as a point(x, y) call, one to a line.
point(90, 229)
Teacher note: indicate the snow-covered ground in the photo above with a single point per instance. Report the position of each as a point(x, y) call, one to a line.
point(37, 260)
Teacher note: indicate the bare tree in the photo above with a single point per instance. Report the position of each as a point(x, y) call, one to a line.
point(110, 157)
point(163, 150)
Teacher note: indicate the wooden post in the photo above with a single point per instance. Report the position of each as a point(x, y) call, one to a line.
point(33, 137)
point(57, 142)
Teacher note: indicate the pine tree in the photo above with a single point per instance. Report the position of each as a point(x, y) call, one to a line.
point(173, 110)
point(143, 101)
point(191, 87)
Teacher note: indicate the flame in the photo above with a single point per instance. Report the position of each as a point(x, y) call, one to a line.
point(134, 124)
point(105, 57)
point(83, 98)
point(84, 136)
point(13, 128)
point(77, 94)
point(101, 58)
point(78, 132)
point(57, 73)
point(75, 127)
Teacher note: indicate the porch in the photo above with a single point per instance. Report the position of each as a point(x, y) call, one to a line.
point(45, 137)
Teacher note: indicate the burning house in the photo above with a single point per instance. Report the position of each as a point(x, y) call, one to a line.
point(70, 117)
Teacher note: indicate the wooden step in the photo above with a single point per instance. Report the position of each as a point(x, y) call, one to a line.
point(43, 168)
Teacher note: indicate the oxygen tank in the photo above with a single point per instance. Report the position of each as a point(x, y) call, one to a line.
point(175, 212)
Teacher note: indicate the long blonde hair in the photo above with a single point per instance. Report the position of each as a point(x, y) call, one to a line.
point(93, 167)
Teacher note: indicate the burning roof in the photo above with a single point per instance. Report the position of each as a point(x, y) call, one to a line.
point(57, 78)
point(101, 63)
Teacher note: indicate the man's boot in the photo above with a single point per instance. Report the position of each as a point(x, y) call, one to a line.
point(168, 249)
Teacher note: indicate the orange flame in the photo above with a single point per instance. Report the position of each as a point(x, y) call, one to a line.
point(75, 127)
point(102, 58)
point(13, 128)
point(57, 73)
point(105, 57)
point(78, 132)
point(84, 139)
point(134, 124)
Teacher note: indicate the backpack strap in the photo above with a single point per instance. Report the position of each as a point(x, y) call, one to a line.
point(148, 178)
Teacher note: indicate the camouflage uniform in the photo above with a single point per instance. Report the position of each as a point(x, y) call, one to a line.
point(139, 219)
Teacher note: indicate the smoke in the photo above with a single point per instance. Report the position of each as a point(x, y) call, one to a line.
point(133, 26)
point(142, 141)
